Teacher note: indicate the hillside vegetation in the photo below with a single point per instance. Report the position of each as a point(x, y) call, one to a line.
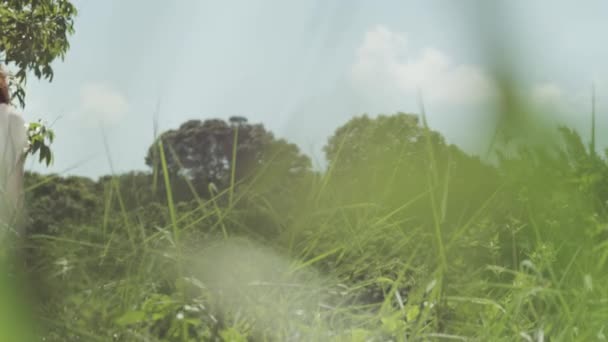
point(233, 236)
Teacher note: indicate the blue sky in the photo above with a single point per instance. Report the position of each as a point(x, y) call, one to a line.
point(303, 68)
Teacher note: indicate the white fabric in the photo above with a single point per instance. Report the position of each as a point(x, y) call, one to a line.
point(13, 141)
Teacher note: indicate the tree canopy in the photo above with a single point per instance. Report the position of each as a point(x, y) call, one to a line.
point(204, 152)
point(33, 34)
point(396, 158)
point(54, 201)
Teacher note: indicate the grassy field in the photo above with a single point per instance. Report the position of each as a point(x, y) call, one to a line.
point(427, 258)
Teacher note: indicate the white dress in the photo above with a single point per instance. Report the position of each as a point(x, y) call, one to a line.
point(13, 141)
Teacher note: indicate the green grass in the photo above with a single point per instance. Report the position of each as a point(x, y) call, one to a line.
point(337, 272)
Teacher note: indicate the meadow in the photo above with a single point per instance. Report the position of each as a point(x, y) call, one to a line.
point(402, 238)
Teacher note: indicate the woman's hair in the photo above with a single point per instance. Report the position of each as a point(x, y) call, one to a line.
point(5, 96)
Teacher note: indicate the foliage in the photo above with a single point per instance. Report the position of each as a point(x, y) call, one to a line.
point(33, 34)
point(54, 202)
point(135, 189)
point(351, 253)
point(394, 159)
point(201, 152)
point(38, 135)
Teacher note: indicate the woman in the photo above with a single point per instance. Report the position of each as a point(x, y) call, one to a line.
point(13, 141)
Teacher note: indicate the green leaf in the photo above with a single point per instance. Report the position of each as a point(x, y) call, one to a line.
point(412, 312)
point(359, 335)
point(131, 317)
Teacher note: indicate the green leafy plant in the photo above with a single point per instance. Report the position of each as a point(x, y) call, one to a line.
point(38, 135)
point(34, 34)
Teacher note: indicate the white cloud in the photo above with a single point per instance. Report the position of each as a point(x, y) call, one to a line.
point(385, 63)
point(103, 103)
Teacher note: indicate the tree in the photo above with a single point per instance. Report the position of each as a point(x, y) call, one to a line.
point(392, 159)
point(373, 155)
point(203, 152)
point(55, 202)
point(132, 190)
point(33, 34)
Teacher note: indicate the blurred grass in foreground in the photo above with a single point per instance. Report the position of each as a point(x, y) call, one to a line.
point(16, 324)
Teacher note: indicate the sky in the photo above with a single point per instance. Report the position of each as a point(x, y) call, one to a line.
point(303, 68)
